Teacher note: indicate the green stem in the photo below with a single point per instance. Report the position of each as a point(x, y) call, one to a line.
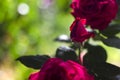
point(79, 51)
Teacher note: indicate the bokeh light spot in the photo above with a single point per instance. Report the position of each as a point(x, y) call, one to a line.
point(23, 9)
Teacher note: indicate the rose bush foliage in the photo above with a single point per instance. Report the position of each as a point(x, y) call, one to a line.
point(97, 14)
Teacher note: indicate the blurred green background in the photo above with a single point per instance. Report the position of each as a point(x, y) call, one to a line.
point(28, 27)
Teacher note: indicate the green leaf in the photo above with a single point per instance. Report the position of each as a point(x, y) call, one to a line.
point(95, 54)
point(112, 42)
point(111, 31)
point(95, 61)
point(35, 62)
point(63, 38)
point(66, 53)
point(106, 71)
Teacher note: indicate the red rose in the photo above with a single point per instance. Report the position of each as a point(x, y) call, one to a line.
point(79, 32)
point(98, 13)
point(57, 69)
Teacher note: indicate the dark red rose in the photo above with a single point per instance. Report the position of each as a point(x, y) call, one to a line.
point(98, 13)
point(57, 69)
point(78, 31)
